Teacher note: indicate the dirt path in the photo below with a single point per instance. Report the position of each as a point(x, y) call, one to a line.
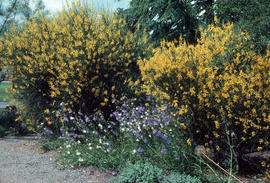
point(21, 161)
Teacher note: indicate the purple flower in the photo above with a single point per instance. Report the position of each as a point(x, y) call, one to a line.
point(48, 131)
point(158, 134)
point(140, 150)
point(163, 151)
point(113, 100)
point(148, 99)
point(145, 140)
point(164, 137)
point(37, 137)
point(66, 119)
point(176, 156)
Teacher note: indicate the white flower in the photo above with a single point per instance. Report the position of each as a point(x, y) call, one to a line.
point(134, 151)
point(68, 146)
point(98, 147)
point(84, 131)
point(78, 153)
point(80, 160)
point(68, 152)
point(100, 141)
point(137, 140)
point(79, 141)
point(71, 118)
point(100, 126)
point(89, 144)
point(90, 148)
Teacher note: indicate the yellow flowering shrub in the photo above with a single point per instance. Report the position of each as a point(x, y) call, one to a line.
point(80, 59)
point(220, 83)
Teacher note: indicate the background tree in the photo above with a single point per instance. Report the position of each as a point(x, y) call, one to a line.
point(13, 11)
point(163, 19)
point(205, 10)
point(252, 16)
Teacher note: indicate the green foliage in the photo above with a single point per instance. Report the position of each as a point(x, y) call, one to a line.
point(249, 15)
point(8, 123)
point(140, 172)
point(180, 178)
point(162, 19)
point(4, 88)
point(205, 10)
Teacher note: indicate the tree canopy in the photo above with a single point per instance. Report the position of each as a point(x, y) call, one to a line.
point(168, 19)
point(163, 19)
point(252, 16)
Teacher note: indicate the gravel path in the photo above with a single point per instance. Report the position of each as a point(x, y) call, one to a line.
point(21, 161)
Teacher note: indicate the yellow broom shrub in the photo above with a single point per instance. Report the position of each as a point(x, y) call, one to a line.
point(80, 59)
point(220, 83)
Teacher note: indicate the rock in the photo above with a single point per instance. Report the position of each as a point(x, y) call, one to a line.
point(251, 163)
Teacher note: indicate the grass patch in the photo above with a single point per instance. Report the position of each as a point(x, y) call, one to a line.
point(5, 97)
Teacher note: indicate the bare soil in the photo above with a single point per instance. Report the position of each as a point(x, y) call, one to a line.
point(22, 161)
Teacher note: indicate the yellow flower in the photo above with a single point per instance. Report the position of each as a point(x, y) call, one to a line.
point(217, 124)
point(217, 148)
point(189, 142)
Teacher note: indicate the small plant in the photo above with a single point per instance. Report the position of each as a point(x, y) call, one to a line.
point(140, 172)
point(8, 122)
point(180, 178)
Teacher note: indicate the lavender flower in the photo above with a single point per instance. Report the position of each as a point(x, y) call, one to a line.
point(140, 150)
point(163, 151)
point(66, 119)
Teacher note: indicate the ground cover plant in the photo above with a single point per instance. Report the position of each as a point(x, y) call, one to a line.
point(101, 96)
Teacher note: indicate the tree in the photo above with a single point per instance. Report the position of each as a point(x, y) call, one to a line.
point(205, 10)
point(12, 11)
point(252, 16)
point(163, 19)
